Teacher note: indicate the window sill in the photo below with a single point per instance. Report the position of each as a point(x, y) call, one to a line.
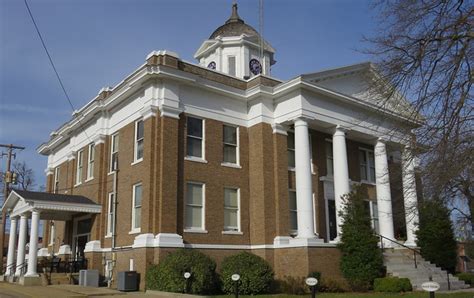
point(196, 231)
point(89, 179)
point(110, 173)
point(368, 182)
point(231, 165)
point(77, 184)
point(195, 159)
point(108, 236)
point(136, 162)
point(292, 169)
point(232, 233)
point(134, 231)
point(326, 178)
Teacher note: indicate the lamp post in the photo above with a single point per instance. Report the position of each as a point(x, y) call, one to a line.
point(187, 275)
point(235, 277)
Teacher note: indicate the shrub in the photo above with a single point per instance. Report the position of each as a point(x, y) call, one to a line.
point(392, 285)
point(168, 275)
point(466, 277)
point(435, 235)
point(329, 285)
point(361, 259)
point(256, 276)
point(293, 285)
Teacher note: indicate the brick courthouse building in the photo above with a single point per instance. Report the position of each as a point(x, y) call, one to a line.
point(221, 157)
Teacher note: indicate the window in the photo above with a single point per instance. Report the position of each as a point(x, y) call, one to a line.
point(231, 62)
point(231, 147)
point(138, 140)
point(373, 211)
point(231, 209)
point(90, 162)
point(56, 180)
point(110, 214)
point(80, 157)
point(367, 165)
point(136, 207)
point(291, 150)
point(329, 159)
point(195, 206)
point(293, 212)
point(114, 147)
point(195, 138)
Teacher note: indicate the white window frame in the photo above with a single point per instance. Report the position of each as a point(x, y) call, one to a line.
point(237, 146)
point(328, 158)
point(90, 161)
point(370, 180)
point(203, 141)
point(137, 140)
point(110, 214)
point(79, 166)
point(112, 152)
point(191, 229)
point(235, 65)
point(291, 168)
point(229, 230)
point(374, 216)
point(135, 229)
point(293, 231)
point(56, 180)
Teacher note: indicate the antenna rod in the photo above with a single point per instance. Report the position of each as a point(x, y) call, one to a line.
point(260, 25)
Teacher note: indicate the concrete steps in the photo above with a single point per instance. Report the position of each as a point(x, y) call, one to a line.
point(399, 262)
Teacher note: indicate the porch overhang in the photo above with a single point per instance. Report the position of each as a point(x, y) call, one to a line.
point(51, 206)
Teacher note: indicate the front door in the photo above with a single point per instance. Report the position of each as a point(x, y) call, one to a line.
point(82, 233)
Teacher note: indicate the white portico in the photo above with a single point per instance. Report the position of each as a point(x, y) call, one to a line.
point(24, 205)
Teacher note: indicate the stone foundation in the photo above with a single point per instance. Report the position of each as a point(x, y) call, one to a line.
point(294, 262)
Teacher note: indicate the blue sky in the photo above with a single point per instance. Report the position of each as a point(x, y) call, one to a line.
point(96, 43)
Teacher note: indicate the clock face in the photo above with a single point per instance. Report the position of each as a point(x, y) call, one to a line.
point(255, 66)
point(212, 65)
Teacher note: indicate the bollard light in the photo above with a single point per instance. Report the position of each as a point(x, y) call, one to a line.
point(186, 275)
point(312, 282)
point(236, 277)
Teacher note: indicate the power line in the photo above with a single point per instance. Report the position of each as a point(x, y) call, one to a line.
point(54, 67)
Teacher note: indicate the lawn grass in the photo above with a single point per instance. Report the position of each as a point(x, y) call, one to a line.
point(360, 295)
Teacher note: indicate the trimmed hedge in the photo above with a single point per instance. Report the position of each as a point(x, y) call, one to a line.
point(392, 285)
point(169, 274)
point(256, 275)
point(466, 277)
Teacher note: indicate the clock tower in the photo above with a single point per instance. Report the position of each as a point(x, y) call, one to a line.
point(235, 49)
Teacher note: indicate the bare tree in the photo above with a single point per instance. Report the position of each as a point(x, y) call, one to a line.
point(424, 50)
point(25, 176)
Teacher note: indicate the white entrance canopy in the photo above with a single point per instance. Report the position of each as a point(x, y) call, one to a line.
point(50, 206)
point(21, 205)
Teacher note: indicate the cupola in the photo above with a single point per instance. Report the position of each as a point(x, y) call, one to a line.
point(235, 49)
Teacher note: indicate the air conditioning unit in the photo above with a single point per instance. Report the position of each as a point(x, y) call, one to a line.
point(89, 278)
point(127, 281)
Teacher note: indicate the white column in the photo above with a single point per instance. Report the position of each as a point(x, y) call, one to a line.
point(341, 174)
point(384, 197)
point(409, 196)
point(11, 247)
point(304, 188)
point(20, 257)
point(33, 253)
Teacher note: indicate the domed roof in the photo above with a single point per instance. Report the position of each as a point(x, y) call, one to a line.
point(234, 26)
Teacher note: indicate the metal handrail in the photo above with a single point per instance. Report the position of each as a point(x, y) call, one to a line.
point(415, 251)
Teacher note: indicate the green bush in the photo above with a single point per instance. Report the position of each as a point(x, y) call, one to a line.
point(436, 236)
point(361, 258)
point(392, 285)
point(329, 285)
point(256, 275)
point(466, 277)
point(293, 285)
point(168, 274)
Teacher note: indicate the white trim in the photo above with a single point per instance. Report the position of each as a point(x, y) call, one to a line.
point(232, 233)
point(195, 159)
point(367, 166)
point(110, 209)
point(133, 229)
point(56, 179)
point(195, 230)
point(231, 165)
point(136, 162)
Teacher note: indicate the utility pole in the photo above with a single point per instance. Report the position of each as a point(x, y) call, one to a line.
point(8, 178)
